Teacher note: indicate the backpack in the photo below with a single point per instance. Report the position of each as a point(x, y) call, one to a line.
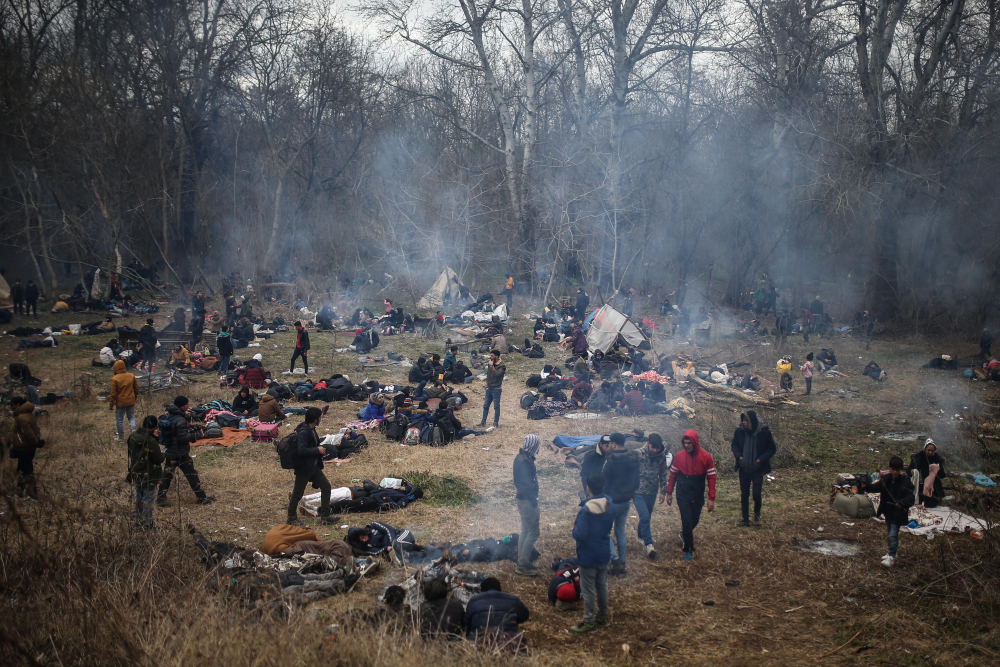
point(537, 412)
point(426, 431)
point(437, 437)
point(528, 399)
point(447, 430)
point(395, 428)
point(166, 430)
point(227, 421)
point(551, 336)
point(287, 449)
point(412, 437)
point(533, 380)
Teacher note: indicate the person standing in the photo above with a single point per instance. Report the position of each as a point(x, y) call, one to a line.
point(985, 342)
point(309, 469)
point(508, 290)
point(807, 324)
point(621, 479)
point(232, 309)
point(197, 329)
point(689, 472)
point(582, 303)
point(147, 338)
point(17, 296)
point(144, 469)
point(808, 369)
point(654, 463)
point(526, 483)
point(592, 532)
point(225, 344)
point(198, 310)
point(895, 499)
point(31, 299)
point(122, 397)
point(301, 347)
point(494, 386)
point(752, 446)
point(26, 440)
point(178, 441)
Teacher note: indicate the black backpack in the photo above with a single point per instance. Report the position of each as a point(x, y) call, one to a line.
point(287, 449)
point(551, 335)
point(537, 412)
point(528, 399)
point(166, 430)
point(395, 428)
point(447, 430)
point(533, 380)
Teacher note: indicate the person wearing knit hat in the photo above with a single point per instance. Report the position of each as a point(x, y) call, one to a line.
point(526, 483)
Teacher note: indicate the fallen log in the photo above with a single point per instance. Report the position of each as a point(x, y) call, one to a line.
point(722, 389)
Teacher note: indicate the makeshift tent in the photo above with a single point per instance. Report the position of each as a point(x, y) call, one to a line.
point(446, 288)
point(605, 327)
point(5, 299)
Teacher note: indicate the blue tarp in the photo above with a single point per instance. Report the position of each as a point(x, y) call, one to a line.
point(574, 441)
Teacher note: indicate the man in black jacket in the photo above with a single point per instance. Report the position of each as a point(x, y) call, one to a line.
point(31, 299)
point(198, 306)
point(440, 614)
point(582, 303)
point(752, 447)
point(225, 343)
point(301, 347)
point(232, 309)
point(621, 479)
point(526, 483)
point(496, 614)
point(147, 336)
point(309, 469)
point(895, 500)
point(178, 441)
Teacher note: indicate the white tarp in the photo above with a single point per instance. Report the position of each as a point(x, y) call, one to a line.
point(605, 327)
point(5, 299)
point(446, 288)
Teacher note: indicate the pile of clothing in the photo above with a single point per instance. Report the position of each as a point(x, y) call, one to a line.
point(391, 493)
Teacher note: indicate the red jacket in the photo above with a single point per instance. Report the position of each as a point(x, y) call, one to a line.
point(254, 378)
point(699, 462)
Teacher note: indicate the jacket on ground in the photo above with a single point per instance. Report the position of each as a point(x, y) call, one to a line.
point(592, 530)
point(124, 387)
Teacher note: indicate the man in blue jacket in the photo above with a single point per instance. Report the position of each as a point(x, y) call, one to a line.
point(621, 479)
point(592, 532)
point(496, 615)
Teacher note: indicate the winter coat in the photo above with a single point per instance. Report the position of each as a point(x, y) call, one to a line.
point(240, 404)
point(124, 387)
point(225, 343)
point(525, 477)
point(449, 360)
point(652, 471)
point(567, 575)
point(579, 339)
point(690, 472)
point(494, 611)
point(459, 371)
point(582, 303)
point(26, 432)
point(269, 410)
point(197, 308)
point(592, 530)
point(215, 323)
point(31, 293)
point(147, 336)
point(255, 378)
point(760, 447)
point(144, 458)
point(181, 356)
point(920, 461)
point(495, 375)
point(807, 369)
point(593, 464)
point(621, 476)
point(181, 437)
point(107, 356)
point(372, 411)
point(380, 537)
point(598, 401)
point(302, 341)
point(899, 490)
point(419, 373)
point(307, 457)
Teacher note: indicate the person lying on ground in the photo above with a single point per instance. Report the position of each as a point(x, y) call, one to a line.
point(494, 615)
point(245, 404)
point(440, 615)
point(269, 410)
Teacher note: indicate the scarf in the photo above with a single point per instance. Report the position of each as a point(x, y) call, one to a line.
point(531, 444)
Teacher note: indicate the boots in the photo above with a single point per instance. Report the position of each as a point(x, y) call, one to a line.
point(326, 518)
point(293, 509)
point(29, 488)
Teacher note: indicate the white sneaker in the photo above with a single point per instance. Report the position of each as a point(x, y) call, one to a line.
point(490, 429)
point(888, 561)
point(650, 551)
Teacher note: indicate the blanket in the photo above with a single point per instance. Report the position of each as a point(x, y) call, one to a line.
point(230, 436)
point(935, 520)
point(574, 441)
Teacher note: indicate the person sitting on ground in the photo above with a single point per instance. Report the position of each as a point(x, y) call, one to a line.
point(238, 337)
point(459, 373)
point(929, 488)
point(632, 402)
point(107, 354)
point(564, 586)
point(375, 408)
point(599, 400)
point(254, 376)
point(581, 393)
point(496, 615)
point(245, 404)
point(539, 327)
point(440, 614)
point(180, 357)
point(269, 410)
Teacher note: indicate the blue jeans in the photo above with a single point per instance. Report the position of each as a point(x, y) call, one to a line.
point(224, 365)
point(145, 494)
point(462, 432)
point(419, 394)
point(148, 358)
point(120, 414)
point(621, 515)
point(893, 537)
point(644, 504)
point(492, 396)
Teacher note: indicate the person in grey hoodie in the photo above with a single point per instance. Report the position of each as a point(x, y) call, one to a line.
point(526, 483)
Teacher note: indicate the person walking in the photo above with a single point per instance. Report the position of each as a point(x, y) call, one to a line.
point(17, 296)
point(621, 479)
point(225, 344)
point(689, 472)
point(592, 532)
point(526, 483)
point(301, 347)
point(145, 469)
point(147, 338)
point(122, 396)
point(654, 462)
point(26, 440)
point(309, 469)
point(31, 299)
point(808, 369)
point(895, 500)
point(178, 439)
point(494, 386)
point(752, 446)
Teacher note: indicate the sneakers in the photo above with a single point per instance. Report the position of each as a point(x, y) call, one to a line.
point(491, 428)
point(480, 424)
point(617, 569)
point(583, 628)
point(650, 552)
point(756, 519)
point(688, 556)
point(743, 523)
point(603, 622)
point(888, 561)
point(207, 500)
point(528, 571)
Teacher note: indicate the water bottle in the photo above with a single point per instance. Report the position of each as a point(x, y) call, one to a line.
point(243, 422)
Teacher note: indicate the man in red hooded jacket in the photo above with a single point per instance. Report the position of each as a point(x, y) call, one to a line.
point(689, 470)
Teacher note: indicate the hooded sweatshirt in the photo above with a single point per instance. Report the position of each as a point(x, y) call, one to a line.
point(754, 445)
point(689, 472)
point(592, 530)
point(269, 410)
point(124, 387)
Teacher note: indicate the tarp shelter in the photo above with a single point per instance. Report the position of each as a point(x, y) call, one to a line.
point(446, 288)
point(605, 327)
point(5, 299)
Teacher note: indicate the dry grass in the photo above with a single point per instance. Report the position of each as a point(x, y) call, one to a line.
point(81, 588)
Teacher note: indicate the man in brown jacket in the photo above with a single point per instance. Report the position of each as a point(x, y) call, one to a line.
point(27, 438)
point(121, 398)
point(269, 410)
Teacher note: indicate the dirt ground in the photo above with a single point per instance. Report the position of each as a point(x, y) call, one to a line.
point(750, 596)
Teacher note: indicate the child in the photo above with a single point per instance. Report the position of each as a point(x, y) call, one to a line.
point(807, 372)
point(895, 501)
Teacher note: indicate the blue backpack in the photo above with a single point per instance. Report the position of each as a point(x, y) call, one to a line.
point(166, 429)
